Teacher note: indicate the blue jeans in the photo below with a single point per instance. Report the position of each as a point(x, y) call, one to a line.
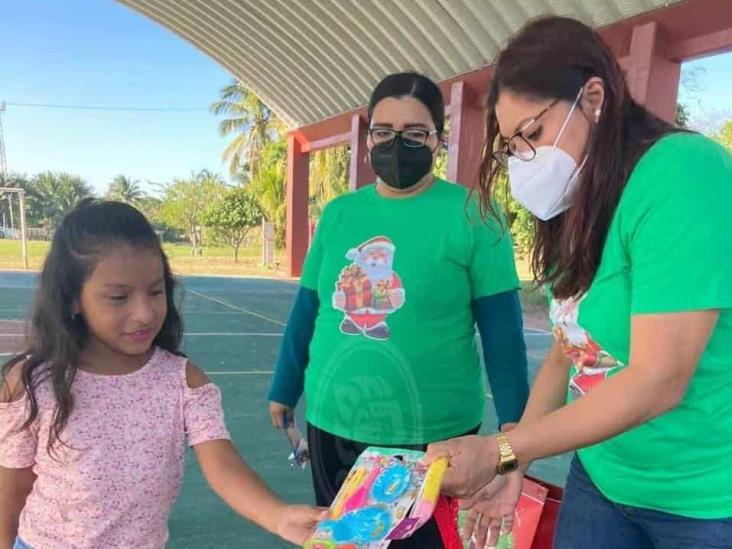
point(589, 519)
point(20, 544)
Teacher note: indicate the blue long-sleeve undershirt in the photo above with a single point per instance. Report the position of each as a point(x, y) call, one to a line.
point(499, 322)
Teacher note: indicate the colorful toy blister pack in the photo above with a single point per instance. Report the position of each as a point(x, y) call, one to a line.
point(387, 495)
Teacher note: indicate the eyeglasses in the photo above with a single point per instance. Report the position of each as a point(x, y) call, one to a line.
point(413, 138)
point(517, 145)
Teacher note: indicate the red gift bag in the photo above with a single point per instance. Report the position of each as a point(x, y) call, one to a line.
point(536, 515)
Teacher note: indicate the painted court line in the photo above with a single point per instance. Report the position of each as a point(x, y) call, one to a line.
point(243, 373)
point(199, 334)
point(231, 334)
point(258, 334)
point(236, 307)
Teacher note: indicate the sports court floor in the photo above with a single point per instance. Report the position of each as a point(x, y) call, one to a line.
point(233, 329)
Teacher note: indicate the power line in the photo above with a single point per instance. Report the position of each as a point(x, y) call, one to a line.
point(104, 108)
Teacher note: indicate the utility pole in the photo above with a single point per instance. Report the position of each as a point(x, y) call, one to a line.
point(3, 161)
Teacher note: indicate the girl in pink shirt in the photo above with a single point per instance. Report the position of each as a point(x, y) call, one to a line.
point(95, 414)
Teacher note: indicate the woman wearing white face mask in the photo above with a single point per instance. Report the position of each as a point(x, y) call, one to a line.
point(634, 245)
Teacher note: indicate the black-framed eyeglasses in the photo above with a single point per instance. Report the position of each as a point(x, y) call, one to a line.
point(517, 145)
point(414, 138)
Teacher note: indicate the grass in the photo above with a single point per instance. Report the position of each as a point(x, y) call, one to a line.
point(216, 260)
point(219, 260)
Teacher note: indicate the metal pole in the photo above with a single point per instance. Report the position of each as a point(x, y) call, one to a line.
point(10, 207)
point(264, 244)
point(24, 244)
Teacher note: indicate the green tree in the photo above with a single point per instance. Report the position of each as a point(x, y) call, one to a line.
point(232, 217)
point(184, 202)
point(124, 189)
point(682, 115)
point(268, 187)
point(52, 195)
point(520, 221)
point(32, 207)
point(252, 123)
point(329, 170)
point(724, 135)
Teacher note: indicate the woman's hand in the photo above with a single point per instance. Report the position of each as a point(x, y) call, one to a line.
point(473, 463)
point(492, 510)
point(281, 413)
point(298, 522)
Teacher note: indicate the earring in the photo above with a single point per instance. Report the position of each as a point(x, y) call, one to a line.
point(597, 114)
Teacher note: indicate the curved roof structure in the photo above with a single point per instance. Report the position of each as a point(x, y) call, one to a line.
point(310, 60)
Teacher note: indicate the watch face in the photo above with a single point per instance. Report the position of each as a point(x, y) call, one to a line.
point(507, 467)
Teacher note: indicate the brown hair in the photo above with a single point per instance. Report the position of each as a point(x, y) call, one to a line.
point(552, 58)
point(57, 336)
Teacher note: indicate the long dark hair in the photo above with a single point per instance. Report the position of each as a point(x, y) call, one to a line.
point(411, 84)
point(552, 58)
point(57, 336)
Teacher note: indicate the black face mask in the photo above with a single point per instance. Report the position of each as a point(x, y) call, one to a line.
point(399, 166)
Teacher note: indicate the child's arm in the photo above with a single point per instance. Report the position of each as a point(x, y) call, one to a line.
point(15, 485)
point(15, 482)
point(234, 481)
point(240, 487)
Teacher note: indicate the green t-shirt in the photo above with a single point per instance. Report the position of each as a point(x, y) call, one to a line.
point(669, 249)
point(393, 358)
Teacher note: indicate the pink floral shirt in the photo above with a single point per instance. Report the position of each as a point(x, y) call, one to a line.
point(114, 482)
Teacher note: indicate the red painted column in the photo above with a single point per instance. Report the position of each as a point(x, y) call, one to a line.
point(298, 167)
point(360, 172)
point(465, 142)
point(653, 80)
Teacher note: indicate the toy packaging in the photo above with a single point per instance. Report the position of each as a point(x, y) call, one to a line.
point(387, 495)
point(299, 457)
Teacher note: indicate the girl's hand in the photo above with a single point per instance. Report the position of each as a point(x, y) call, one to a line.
point(473, 463)
point(280, 413)
point(298, 522)
point(493, 505)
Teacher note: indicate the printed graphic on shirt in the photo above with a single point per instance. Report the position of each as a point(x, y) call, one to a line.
point(368, 290)
point(591, 364)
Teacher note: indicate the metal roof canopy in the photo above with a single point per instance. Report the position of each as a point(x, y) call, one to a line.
point(312, 60)
point(315, 62)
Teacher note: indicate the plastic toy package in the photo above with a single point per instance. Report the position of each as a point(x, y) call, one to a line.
point(300, 455)
point(387, 495)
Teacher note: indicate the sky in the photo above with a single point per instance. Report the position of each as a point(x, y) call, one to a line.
point(100, 53)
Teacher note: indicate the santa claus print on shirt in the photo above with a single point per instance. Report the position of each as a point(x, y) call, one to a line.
point(591, 364)
point(368, 290)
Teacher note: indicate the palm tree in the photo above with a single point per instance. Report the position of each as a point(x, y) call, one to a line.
point(328, 177)
point(269, 187)
point(124, 189)
point(251, 121)
point(57, 194)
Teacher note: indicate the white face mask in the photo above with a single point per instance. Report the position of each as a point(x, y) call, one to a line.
point(546, 184)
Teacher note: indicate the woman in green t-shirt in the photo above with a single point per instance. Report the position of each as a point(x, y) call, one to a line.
point(634, 245)
point(382, 333)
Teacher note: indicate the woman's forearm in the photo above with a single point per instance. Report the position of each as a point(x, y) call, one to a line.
point(665, 352)
point(620, 403)
point(549, 391)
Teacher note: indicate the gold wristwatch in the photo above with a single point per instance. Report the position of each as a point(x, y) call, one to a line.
point(507, 461)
